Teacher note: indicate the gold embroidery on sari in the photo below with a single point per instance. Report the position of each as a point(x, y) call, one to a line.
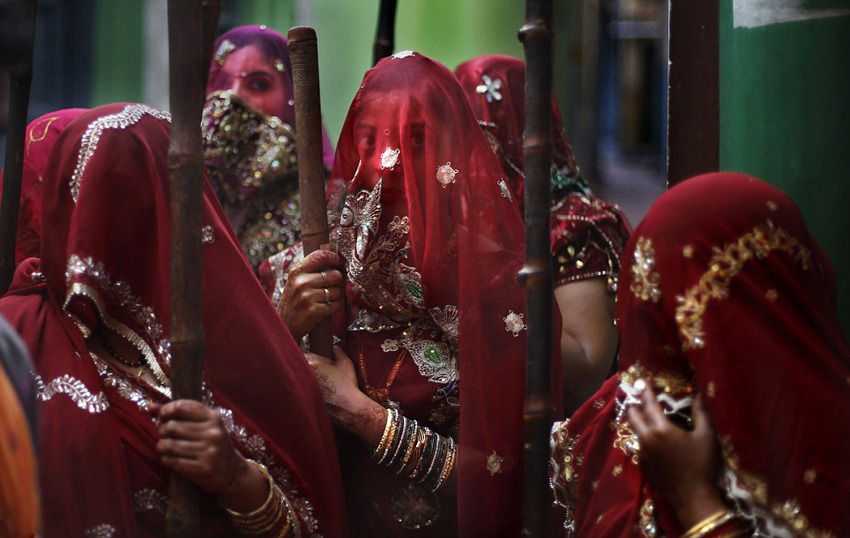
point(773, 517)
point(38, 131)
point(645, 280)
point(724, 265)
point(627, 441)
point(374, 262)
point(646, 524)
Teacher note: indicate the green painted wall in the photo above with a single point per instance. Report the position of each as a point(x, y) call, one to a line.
point(446, 30)
point(118, 61)
point(785, 109)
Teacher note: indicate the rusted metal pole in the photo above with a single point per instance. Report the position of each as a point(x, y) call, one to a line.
point(187, 69)
point(536, 275)
point(311, 170)
point(20, 80)
point(385, 36)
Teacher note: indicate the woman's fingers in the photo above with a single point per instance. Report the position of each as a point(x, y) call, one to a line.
point(187, 410)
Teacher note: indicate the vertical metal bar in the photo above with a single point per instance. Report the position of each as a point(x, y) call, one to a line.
point(20, 81)
point(536, 275)
point(385, 36)
point(694, 98)
point(187, 67)
point(303, 54)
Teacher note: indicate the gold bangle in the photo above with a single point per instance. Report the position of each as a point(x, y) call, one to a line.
point(387, 428)
point(269, 515)
point(715, 520)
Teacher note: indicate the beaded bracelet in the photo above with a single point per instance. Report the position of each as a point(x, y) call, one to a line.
point(712, 522)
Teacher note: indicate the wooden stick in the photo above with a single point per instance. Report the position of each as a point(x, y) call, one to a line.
point(536, 275)
point(385, 36)
point(20, 81)
point(187, 68)
point(311, 170)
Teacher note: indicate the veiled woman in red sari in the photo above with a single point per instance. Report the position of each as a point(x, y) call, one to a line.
point(723, 294)
point(431, 241)
point(587, 233)
point(249, 139)
point(94, 313)
point(41, 134)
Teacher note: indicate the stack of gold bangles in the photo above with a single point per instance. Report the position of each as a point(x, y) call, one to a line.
point(274, 518)
point(416, 451)
point(711, 524)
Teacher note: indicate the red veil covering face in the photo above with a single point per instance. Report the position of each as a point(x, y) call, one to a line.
point(40, 136)
point(432, 240)
point(725, 293)
point(588, 234)
point(495, 87)
point(105, 256)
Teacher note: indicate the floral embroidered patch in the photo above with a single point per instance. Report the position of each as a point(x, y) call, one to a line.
point(490, 88)
point(514, 323)
point(645, 280)
point(494, 463)
point(446, 174)
point(389, 158)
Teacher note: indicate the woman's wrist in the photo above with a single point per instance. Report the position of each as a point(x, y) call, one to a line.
point(699, 505)
point(362, 416)
point(246, 489)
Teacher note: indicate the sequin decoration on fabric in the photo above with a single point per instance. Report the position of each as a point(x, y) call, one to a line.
point(129, 116)
point(723, 267)
point(253, 165)
point(645, 283)
point(74, 389)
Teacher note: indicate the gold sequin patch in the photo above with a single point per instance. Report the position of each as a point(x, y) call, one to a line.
point(772, 205)
point(711, 390)
point(627, 441)
point(771, 295)
point(645, 279)
point(724, 265)
point(617, 470)
point(688, 251)
point(599, 404)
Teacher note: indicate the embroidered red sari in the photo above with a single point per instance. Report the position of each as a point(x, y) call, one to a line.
point(587, 233)
point(431, 240)
point(105, 259)
point(41, 134)
point(726, 293)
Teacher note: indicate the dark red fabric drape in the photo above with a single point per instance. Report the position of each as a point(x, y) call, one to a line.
point(723, 292)
point(105, 256)
point(41, 134)
point(432, 238)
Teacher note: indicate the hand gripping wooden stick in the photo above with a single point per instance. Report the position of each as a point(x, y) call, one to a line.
point(311, 170)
